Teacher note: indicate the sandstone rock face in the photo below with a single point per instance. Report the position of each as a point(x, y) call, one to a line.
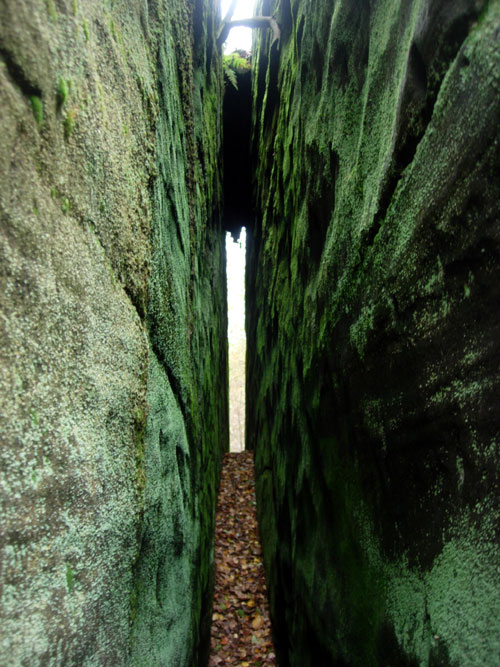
point(373, 329)
point(113, 358)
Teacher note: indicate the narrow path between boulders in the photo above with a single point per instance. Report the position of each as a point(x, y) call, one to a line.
point(241, 630)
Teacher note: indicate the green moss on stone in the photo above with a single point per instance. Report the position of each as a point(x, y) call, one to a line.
point(123, 300)
point(86, 30)
point(52, 11)
point(69, 123)
point(62, 92)
point(367, 369)
point(37, 107)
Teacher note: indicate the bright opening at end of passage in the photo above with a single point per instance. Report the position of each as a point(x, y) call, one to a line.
point(238, 38)
point(235, 271)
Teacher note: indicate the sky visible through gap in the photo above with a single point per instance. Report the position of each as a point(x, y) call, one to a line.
point(239, 38)
point(235, 252)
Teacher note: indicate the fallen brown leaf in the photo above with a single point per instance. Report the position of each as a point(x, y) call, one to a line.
point(241, 630)
point(257, 622)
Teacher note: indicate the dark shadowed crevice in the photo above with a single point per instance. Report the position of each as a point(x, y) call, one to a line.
point(286, 20)
point(273, 93)
point(19, 76)
point(237, 119)
point(321, 199)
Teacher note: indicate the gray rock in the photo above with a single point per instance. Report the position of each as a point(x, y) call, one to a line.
point(111, 316)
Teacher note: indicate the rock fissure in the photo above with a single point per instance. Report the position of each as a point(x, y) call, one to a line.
point(18, 75)
point(360, 151)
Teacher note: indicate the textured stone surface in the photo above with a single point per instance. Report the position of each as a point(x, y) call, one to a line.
point(373, 330)
point(113, 362)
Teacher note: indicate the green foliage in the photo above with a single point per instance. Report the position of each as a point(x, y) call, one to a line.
point(37, 106)
point(231, 76)
point(234, 64)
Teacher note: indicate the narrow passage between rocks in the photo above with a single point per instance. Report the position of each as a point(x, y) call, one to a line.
point(241, 629)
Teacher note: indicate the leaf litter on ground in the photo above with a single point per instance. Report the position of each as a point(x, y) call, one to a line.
point(241, 628)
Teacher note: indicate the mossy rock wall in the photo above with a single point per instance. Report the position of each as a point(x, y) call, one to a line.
point(113, 412)
point(373, 330)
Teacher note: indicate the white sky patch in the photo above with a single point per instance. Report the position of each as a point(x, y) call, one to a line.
point(235, 267)
point(239, 38)
point(235, 251)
